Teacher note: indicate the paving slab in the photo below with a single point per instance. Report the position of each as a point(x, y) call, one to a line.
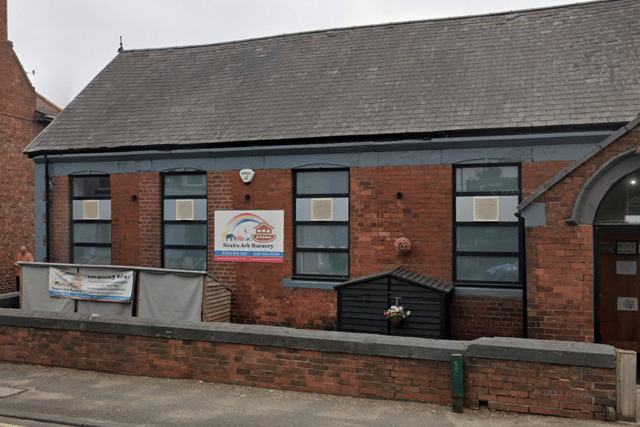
point(9, 391)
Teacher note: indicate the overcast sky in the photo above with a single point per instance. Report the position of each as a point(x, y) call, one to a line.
point(68, 42)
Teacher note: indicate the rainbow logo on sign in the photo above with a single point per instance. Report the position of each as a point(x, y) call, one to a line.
point(239, 230)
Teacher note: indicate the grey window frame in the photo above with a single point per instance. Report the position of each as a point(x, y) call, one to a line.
point(165, 222)
point(519, 254)
point(106, 195)
point(311, 249)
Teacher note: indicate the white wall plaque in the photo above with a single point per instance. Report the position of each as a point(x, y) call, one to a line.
point(627, 304)
point(626, 268)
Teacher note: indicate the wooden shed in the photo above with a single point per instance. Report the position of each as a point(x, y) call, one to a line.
point(216, 306)
point(363, 301)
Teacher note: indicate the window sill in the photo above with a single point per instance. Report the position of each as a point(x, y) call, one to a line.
point(470, 290)
point(310, 283)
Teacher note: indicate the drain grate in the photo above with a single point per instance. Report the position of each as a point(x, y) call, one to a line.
point(9, 391)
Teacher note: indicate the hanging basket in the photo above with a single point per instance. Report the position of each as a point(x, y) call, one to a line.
point(402, 245)
point(396, 321)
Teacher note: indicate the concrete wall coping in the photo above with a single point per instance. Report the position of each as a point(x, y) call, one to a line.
point(516, 349)
point(544, 351)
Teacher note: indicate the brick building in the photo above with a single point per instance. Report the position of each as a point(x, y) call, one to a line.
point(489, 142)
point(23, 115)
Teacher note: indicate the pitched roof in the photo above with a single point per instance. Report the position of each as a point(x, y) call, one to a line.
point(46, 107)
point(408, 276)
point(562, 66)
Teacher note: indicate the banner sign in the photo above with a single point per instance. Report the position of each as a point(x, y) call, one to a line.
point(249, 236)
point(116, 287)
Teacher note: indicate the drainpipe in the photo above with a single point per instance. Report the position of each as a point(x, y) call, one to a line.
point(47, 210)
point(523, 277)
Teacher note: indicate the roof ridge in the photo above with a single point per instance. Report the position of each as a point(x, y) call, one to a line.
point(360, 27)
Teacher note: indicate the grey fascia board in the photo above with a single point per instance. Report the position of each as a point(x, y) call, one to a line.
point(352, 147)
point(555, 138)
point(575, 165)
point(544, 351)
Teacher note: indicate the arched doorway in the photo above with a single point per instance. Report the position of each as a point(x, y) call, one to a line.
point(617, 258)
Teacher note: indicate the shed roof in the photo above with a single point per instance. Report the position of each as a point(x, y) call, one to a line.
point(405, 275)
point(562, 66)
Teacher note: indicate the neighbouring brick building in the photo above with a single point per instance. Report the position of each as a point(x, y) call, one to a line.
point(23, 115)
point(489, 142)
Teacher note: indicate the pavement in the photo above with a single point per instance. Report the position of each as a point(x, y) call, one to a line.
point(32, 395)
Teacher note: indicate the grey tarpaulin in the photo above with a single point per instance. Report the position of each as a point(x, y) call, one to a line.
point(170, 296)
point(99, 307)
point(35, 291)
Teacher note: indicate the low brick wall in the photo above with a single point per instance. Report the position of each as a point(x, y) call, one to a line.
point(555, 378)
point(548, 383)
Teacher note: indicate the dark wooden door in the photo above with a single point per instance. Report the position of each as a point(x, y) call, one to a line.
point(618, 286)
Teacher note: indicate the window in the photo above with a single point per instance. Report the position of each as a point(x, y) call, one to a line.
point(321, 238)
point(91, 220)
point(487, 232)
point(621, 204)
point(184, 231)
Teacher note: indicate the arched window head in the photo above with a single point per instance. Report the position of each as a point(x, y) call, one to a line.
point(621, 204)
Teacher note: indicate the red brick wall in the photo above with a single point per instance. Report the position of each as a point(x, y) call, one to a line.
point(220, 193)
point(125, 226)
point(378, 218)
point(535, 175)
point(150, 219)
point(423, 215)
point(3, 21)
point(536, 388)
point(18, 127)
point(259, 296)
point(246, 365)
point(475, 317)
point(560, 258)
point(60, 211)
point(579, 392)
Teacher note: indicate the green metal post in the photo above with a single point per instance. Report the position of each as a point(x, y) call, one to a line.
point(457, 382)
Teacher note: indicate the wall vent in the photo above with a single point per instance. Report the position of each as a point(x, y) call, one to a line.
point(321, 209)
point(91, 209)
point(185, 210)
point(486, 209)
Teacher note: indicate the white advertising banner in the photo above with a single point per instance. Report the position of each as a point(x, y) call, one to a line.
point(249, 236)
point(116, 287)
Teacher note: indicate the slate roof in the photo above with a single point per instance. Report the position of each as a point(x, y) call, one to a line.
point(562, 66)
point(408, 276)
